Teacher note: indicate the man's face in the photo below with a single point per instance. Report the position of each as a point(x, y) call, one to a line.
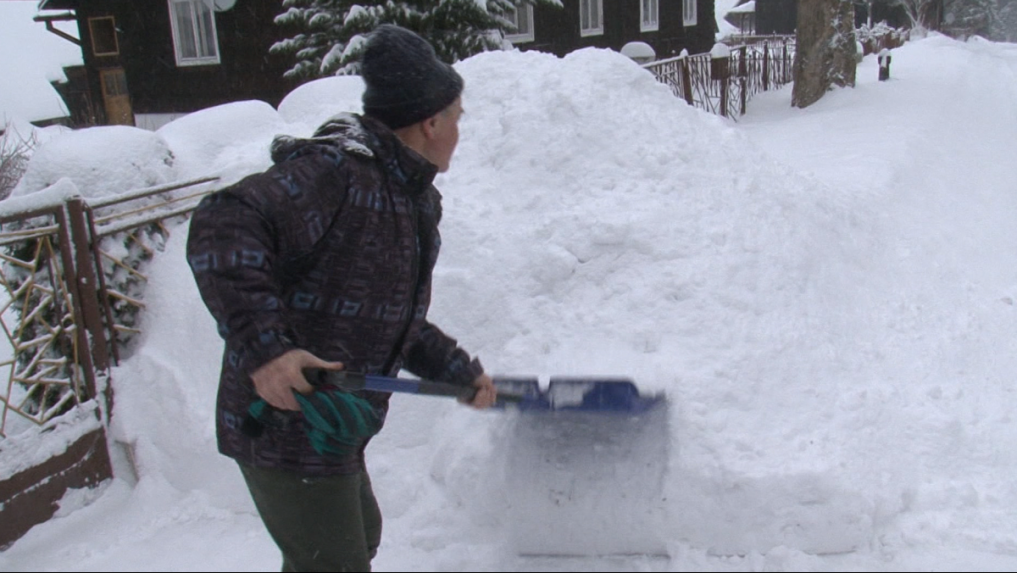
point(443, 137)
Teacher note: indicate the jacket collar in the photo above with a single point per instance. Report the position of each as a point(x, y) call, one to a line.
point(365, 137)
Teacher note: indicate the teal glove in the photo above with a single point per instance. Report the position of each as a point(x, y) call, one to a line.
point(337, 422)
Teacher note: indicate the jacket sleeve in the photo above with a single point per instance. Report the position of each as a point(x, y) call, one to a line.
point(437, 356)
point(232, 251)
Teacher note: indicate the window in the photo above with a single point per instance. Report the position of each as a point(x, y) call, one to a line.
point(650, 15)
point(689, 12)
point(114, 82)
point(104, 36)
point(194, 36)
point(522, 17)
point(591, 17)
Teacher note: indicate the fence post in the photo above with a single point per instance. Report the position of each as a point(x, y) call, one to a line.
point(720, 71)
point(86, 288)
point(884, 64)
point(785, 76)
point(743, 76)
point(766, 67)
point(687, 81)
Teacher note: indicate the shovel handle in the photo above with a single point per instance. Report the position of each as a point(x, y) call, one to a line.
point(354, 381)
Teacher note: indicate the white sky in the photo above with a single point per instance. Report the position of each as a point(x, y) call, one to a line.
point(825, 295)
point(30, 57)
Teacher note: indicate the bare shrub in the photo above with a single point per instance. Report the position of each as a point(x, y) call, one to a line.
point(15, 151)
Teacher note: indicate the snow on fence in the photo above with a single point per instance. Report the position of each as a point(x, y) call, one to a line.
point(722, 83)
point(72, 272)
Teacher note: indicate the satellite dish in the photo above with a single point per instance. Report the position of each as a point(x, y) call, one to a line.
point(223, 5)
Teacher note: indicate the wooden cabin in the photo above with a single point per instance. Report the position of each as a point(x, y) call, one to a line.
point(147, 62)
point(668, 26)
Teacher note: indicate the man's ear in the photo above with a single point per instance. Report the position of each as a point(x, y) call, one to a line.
point(430, 126)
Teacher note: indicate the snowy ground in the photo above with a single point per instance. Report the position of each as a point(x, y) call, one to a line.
point(825, 295)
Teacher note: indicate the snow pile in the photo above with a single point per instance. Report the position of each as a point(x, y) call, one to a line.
point(229, 141)
point(100, 161)
point(597, 225)
point(309, 105)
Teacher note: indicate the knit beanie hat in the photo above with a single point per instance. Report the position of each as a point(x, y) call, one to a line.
point(406, 82)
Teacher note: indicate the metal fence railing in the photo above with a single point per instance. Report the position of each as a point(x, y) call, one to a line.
point(724, 85)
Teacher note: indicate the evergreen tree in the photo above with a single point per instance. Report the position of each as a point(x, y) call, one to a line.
point(329, 35)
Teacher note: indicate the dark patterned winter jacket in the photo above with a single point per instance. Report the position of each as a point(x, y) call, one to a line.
point(331, 250)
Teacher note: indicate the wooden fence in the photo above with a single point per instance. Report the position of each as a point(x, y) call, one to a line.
point(724, 85)
point(72, 285)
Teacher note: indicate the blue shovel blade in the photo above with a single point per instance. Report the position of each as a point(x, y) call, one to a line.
point(579, 394)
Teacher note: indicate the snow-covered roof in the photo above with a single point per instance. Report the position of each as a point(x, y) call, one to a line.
point(58, 4)
point(746, 8)
point(40, 57)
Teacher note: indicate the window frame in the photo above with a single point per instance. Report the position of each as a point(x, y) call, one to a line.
point(690, 12)
point(592, 31)
point(91, 32)
point(521, 37)
point(653, 24)
point(200, 60)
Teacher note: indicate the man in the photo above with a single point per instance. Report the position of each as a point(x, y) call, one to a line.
point(325, 261)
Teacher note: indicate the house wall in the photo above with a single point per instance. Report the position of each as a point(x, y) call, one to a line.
point(894, 16)
point(155, 82)
point(557, 29)
point(776, 16)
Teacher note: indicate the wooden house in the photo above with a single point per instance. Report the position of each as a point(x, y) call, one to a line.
point(147, 62)
point(668, 26)
point(872, 12)
point(776, 17)
point(743, 17)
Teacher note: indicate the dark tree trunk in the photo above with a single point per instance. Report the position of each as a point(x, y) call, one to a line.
point(826, 51)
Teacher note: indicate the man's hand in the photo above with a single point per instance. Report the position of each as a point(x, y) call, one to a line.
point(276, 381)
point(486, 395)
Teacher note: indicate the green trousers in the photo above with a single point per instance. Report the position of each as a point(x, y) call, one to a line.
point(319, 523)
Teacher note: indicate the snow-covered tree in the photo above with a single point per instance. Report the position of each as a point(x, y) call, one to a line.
point(329, 35)
point(924, 14)
point(993, 19)
point(1007, 21)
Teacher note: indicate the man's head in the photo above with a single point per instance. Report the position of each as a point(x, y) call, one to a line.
point(412, 92)
point(406, 82)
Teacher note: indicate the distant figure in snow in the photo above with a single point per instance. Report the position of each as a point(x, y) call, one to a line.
point(325, 261)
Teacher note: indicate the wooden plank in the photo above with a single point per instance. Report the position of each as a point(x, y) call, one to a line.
point(30, 497)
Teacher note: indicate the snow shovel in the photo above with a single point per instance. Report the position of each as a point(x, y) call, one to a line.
point(585, 468)
point(565, 394)
point(585, 465)
point(576, 394)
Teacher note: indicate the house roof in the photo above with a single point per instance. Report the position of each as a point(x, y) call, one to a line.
point(58, 4)
point(746, 8)
point(27, 93)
